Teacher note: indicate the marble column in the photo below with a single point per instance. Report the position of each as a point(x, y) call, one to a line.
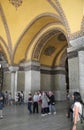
point(81, 73)
point(73, 74)
point(60, 86)
point(73, 69)
point(32, 78)
point(14, 75)
point(75, 64)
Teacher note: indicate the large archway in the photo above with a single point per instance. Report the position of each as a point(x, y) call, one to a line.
point(51, 53)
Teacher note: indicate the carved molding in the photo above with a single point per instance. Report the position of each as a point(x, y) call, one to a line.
point(16, 3)
point(63, 59)
point(74, 53)
point(42, 41)
point(59, 9)
point(53, 64)
point(82, 25)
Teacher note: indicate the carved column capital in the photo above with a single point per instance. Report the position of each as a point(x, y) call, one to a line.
point(13, 69)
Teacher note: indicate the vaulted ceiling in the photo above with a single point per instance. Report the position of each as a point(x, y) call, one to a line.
point(38, 30)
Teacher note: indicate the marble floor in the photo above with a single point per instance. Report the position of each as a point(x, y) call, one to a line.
point(16, 117)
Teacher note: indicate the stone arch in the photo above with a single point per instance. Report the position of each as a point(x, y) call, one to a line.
point(6, 28)
point(56, 5)
point(62, 57)
point(5, 50)
point(53, 18)
point(43, 39)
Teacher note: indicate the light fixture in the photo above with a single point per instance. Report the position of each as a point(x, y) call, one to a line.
point(16, 3)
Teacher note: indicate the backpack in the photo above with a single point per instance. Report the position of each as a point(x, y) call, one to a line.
point(82, 115)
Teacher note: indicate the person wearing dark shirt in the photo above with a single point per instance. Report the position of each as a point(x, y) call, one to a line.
point(30, 100)
point(52, 108)
point(1, 105)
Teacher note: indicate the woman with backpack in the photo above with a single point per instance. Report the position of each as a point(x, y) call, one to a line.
point(77, 111)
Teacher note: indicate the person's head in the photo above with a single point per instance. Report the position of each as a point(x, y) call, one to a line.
point(77, 97)
point(29, 93)
point(50, 93)
point(43, 93)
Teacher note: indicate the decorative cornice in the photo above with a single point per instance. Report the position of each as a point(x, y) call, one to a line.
point(31, 65)
point(74, 53)
point(47, 70)
point(53, 72)
point(13, 69)
point(28, 68)
point(77, 42)
point(5, 69)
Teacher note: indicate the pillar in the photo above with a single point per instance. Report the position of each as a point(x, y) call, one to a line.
point(81, 73)
point(32, 78)
point(60, 86)
point(14, 73)
point(75, 64)
point(73, 70)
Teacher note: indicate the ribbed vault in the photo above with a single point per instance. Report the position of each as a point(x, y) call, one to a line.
point(32, 31)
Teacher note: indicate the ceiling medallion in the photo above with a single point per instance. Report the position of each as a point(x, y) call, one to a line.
point(16, 3)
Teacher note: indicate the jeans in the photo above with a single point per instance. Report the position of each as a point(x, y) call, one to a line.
point(52, 108)
point(30, 107)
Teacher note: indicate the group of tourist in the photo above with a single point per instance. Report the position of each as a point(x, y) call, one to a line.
point(6, 99)
point(42, 102)
point(39, 102)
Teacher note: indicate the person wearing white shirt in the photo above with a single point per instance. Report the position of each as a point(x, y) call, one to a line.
point(35, 102)
point(77, 108)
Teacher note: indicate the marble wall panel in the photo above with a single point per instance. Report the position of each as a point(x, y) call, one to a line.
point(6, 81)
point(81, 73)
point(73, 74)
point(21, 81)
point(60, 87)
point(46, 83)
